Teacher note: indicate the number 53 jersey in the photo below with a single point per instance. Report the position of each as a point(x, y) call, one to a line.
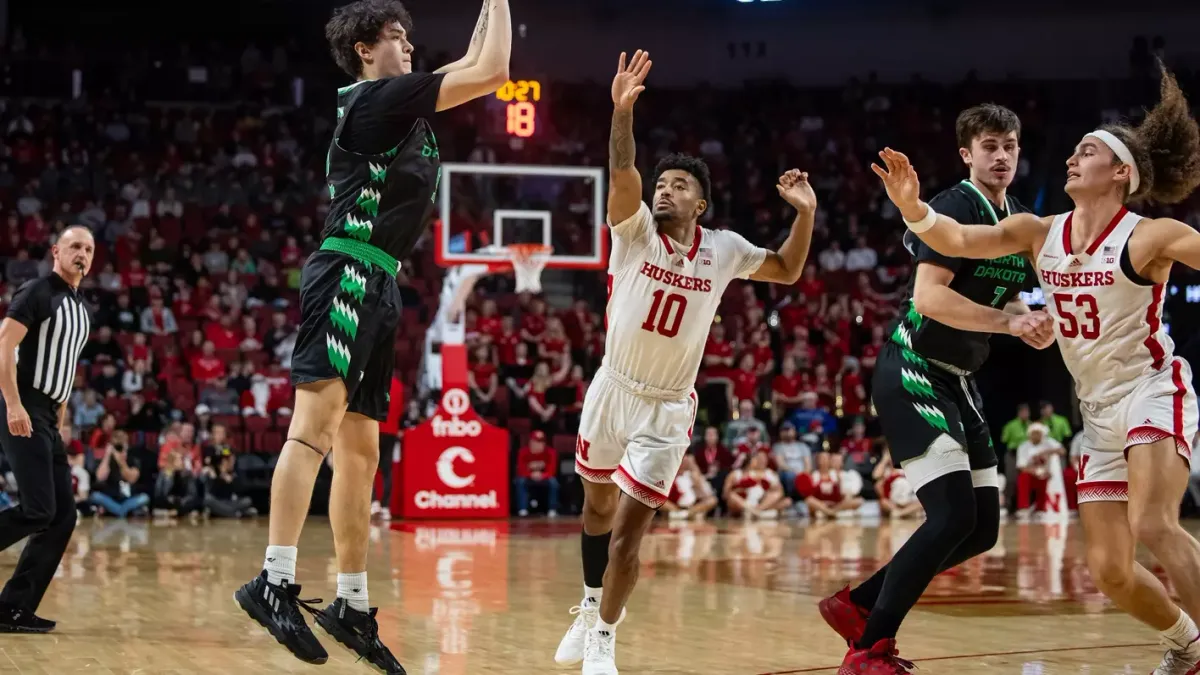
point(1131, 387)
point(662, 298)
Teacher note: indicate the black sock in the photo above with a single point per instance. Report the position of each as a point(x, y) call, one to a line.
point(949, 503)
point(982, 539)
point(595, 558)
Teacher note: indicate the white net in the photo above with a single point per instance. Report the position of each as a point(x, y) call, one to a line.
point(528, 261)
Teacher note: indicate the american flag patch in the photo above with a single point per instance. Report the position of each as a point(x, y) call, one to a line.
point(705, 255)
point(1110, 250)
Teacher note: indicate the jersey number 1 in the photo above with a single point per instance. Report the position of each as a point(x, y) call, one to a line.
point(1070, 326)
point(665, 316)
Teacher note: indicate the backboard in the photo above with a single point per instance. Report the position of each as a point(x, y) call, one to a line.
point(485, 207)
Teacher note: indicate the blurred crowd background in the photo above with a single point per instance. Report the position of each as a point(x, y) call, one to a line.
point(192, 145)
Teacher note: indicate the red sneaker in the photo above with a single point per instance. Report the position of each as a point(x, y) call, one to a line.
point(882, 659)
point(843, 616)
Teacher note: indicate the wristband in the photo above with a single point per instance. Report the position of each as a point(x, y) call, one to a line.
point(925, 223)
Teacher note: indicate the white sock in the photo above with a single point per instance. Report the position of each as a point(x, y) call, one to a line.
point(603, 626)
point(353, 587)
point(591, 596)
point(280, 564)
point(1183, 633)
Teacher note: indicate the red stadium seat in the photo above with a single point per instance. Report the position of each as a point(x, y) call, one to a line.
point(564, 444)
point(257, 424)
point(520, 427)
point(232, 422)
point(270, 442)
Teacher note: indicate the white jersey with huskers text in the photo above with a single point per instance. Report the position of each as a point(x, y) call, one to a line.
point(662, 298)
point(1109, 319)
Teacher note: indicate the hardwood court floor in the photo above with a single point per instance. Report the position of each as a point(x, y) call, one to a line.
point(467, 598)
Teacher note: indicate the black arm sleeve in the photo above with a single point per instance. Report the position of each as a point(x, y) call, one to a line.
point(956, 205)
point(383, 114)
point(31, 303)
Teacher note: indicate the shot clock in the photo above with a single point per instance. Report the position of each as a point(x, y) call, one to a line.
point(520, 113)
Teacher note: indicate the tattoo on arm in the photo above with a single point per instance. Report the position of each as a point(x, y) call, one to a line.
point(482, 24)
point(621, 147)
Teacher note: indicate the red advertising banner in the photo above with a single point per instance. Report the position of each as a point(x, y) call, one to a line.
point(455, 465)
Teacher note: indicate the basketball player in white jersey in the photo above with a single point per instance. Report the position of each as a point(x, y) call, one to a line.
point(1103, 269)
point(666, 278)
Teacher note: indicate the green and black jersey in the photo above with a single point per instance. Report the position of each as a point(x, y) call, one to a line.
point(988, 282)
point(383, 168)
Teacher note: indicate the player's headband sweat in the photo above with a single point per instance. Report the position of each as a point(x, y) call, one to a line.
point(1122, 152)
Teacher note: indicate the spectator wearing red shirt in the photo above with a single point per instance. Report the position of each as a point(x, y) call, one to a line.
point(577, 321)
point(869, 353)
point(593, 347)
point(223, 335)
point(205, 366)
point(714, 459)
point(290, 255)
point(537, 466)
point(718, 355)
point(489, 324)
point(749, 303)
point(857, 447)
point(800, 349)
point(135, 276)
point(542, 411)
point(139, 350)
point(811, 286)
point(823, 384)
point(483, 380)
point(748, 446)
point(745, 381)
point(507, 341)
point(554, 341)
point(764, 356)
point(854, 393)
point(786, 389)
point(533, 324)
point(389, 433)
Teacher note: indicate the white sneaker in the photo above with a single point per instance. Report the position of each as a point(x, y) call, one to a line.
point(374, 509)
point(600, 653)
point(385, 514)
point(570, 649)
point(1179, 660)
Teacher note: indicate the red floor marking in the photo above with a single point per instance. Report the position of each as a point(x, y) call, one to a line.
point(977, 656)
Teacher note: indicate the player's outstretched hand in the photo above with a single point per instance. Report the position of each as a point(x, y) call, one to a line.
point(1042, 333)
point(795, 189)
point(627, 85)
point(900, 180)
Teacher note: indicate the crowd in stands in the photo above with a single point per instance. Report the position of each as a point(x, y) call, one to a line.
point(203, 215)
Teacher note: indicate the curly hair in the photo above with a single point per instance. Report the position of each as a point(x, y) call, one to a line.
point(361, 21)
point(692, 165)
point(1165, 147)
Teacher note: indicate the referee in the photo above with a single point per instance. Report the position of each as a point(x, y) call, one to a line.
point(40, 341)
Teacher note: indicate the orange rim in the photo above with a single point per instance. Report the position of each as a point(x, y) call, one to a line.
point(526, 251)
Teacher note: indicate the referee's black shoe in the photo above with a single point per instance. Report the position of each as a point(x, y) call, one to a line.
point(17, 620)
point(359, 632)
point(277, 608)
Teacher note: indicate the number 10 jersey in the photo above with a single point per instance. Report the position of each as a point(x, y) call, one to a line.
point(662, 299)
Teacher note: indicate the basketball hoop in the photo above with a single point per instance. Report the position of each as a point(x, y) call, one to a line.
point(528, 261)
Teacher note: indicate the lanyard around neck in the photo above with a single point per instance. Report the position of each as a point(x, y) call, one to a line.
point(987, 203)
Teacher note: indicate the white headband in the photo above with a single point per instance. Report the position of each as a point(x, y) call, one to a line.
point(1122, 152)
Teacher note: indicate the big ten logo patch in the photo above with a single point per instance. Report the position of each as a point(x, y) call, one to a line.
point(453, 574)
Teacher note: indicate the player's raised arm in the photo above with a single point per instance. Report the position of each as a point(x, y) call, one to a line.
point(1176, 241)
point(785, 265)
point(1017, 233)
point(490, 69)
point(624, 181)
point(476, 45)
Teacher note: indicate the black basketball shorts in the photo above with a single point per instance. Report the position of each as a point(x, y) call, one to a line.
point(349, 311)
point(932, 418)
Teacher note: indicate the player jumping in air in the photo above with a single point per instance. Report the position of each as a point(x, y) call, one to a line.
point(666, 278)
point(1103, 270)
point(383, 172)
point(924, 389)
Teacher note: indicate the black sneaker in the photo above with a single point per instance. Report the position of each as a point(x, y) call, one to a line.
point(359, 632)
point(17, 620)
point(277, 608)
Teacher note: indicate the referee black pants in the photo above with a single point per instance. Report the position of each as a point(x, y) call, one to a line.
point(46, 513)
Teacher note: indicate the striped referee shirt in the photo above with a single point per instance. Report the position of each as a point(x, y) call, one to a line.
point(58, 324)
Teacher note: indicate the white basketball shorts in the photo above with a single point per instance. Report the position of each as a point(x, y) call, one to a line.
point(1161, 406)
point(633, 436)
